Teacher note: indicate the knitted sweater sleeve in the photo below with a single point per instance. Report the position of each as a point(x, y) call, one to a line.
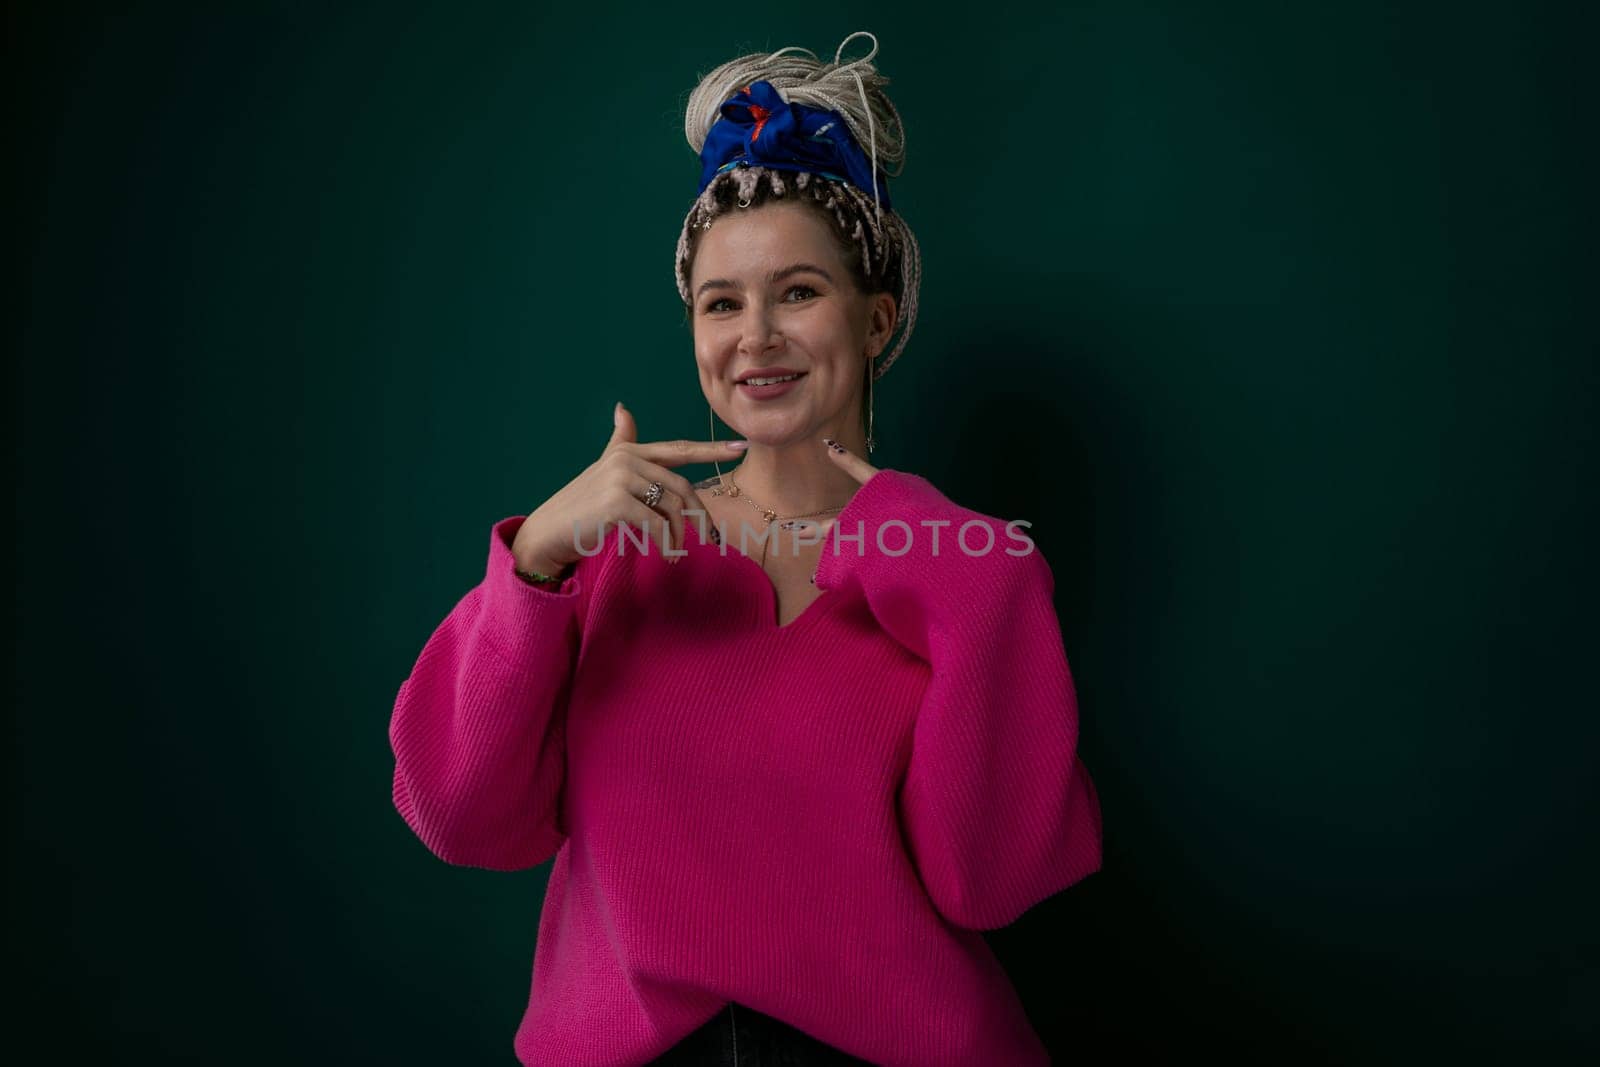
point(478, 727)
point(997, 809)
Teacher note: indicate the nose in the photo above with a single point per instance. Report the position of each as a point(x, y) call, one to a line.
point(757, 331)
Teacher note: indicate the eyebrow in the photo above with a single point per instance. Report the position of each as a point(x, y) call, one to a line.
point(716, 283)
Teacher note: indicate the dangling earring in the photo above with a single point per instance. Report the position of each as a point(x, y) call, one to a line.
point(871, 442)
point(711, 421)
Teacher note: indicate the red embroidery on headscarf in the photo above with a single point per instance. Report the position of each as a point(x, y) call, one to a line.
point(760, 113)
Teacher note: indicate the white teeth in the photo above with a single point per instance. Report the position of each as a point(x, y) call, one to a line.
point(769, 381)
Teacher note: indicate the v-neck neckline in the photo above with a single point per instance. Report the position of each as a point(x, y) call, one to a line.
point(743, 564)
point(756, 572)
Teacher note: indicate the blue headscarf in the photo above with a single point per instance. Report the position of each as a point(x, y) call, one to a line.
point(758, 128)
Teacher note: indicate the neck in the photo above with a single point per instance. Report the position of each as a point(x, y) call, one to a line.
point(799, 476)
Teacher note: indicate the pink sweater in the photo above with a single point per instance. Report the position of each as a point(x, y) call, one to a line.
point(814, 820)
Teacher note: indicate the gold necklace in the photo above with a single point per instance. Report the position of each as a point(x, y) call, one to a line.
point(784, 521)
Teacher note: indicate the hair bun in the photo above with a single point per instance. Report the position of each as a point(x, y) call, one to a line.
point(853, 89)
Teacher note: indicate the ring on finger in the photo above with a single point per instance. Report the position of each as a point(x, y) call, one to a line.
point(652, 496)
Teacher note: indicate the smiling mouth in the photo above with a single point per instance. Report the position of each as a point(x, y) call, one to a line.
point(772, 381)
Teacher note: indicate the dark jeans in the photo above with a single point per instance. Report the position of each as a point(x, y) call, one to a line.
point(738, 1036)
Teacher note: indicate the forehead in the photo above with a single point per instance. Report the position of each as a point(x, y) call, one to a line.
point(750, 241)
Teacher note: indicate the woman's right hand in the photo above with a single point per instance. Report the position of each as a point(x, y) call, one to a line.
point(611, 492)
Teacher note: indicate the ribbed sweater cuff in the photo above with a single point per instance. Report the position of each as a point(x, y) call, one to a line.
point(516, 610)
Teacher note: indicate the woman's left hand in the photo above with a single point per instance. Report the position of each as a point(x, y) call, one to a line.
point(859, 468)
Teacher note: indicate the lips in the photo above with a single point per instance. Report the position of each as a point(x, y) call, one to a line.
point(771, 390)
point(767, 372)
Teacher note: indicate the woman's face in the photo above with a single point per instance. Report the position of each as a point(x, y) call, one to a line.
point(772, 295)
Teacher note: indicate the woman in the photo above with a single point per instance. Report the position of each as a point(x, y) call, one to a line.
point(786, 778)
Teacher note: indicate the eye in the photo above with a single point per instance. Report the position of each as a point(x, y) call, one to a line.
point(716, 305)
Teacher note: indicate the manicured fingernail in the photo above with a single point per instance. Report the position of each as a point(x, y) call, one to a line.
point(738, 446)
point(616, 414)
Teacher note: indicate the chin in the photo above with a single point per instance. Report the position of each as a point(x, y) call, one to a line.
point(770, 429)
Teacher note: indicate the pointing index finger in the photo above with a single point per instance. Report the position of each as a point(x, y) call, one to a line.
point(677, 453)
point(858, 468)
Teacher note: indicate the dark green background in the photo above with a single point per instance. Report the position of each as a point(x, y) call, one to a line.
point(1277, 321)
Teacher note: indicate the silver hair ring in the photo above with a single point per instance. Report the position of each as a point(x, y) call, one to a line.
point(744, 201)
point(652, 496)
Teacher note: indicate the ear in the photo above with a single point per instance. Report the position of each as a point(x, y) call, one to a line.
point(884, 310)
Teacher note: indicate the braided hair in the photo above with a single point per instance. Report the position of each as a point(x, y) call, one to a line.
point(877, 245)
